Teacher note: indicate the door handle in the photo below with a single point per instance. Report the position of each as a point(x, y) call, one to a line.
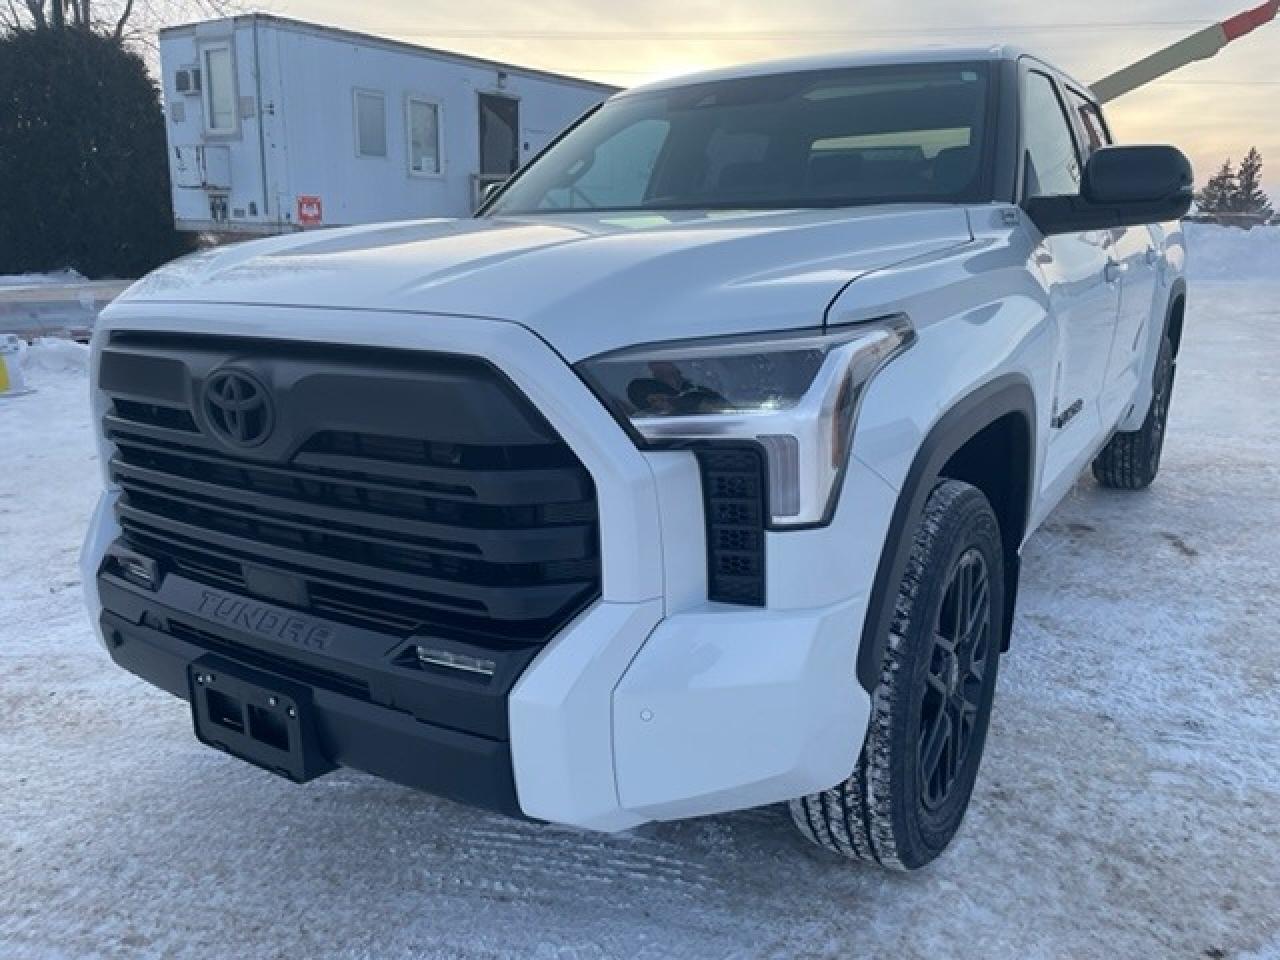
point(1115, 270)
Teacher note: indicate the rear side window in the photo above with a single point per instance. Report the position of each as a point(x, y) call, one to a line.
point(1052, 163)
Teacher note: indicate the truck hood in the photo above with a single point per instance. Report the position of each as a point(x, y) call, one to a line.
point(585, 284)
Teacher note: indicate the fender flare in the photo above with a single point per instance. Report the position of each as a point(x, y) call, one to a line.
point(1177, 293)
point(1007, 394)
point(1171, 327)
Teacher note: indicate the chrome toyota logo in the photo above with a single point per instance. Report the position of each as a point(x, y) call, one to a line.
point(238, 408)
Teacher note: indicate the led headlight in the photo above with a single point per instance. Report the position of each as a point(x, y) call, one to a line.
point(794, 394)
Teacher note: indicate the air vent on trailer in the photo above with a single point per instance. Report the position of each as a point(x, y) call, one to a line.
point(187, 80)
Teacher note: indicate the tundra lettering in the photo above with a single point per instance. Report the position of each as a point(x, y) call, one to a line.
point(246, 614)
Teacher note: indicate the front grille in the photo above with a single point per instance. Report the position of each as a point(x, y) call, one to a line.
point(733, 495)
point(401, 493)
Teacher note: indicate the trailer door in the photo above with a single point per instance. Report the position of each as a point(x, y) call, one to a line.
point(499, 139)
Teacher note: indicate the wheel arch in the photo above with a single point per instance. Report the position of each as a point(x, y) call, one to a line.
point(1176, 313)
point(991, 426)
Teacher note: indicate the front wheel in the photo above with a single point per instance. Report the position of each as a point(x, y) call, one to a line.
point(1130, 461)
point(930, 710)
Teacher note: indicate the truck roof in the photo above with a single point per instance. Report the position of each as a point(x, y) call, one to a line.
point(369, 39)
point(835, 61)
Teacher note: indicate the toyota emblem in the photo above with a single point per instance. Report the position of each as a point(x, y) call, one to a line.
point(238, 408)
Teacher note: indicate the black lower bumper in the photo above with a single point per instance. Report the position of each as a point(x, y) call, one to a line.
point(364, 714)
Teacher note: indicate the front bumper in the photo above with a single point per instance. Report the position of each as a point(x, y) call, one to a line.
point(351, 732)
point(652, 703)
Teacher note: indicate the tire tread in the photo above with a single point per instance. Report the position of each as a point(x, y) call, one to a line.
point(855, 818)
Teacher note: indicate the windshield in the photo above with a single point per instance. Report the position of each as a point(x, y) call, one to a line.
point(813, 139)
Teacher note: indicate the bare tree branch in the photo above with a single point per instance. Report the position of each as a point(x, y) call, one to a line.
point(118, 33)
point(133, 22)
point(36, 8)
point(13, 18)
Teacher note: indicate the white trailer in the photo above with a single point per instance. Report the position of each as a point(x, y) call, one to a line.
point(275, 125)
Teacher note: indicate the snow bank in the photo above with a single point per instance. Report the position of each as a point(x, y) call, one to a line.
point(52, 355)
point(58, 277)
point(1216, 254)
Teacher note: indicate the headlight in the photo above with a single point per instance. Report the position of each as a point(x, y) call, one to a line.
point(795, 394)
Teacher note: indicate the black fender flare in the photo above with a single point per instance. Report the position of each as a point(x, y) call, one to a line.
point(1007, 394)
point(1177, 294)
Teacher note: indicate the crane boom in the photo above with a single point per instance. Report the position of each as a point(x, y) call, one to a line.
point(1199, 46)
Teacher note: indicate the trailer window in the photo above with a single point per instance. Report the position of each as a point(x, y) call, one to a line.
point(371, 123)
point(219, 89)
point(424, 136)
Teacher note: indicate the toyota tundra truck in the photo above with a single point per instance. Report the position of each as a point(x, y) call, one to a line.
point(691, 474)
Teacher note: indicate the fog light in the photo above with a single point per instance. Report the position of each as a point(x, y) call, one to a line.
point(435, 657)
point(140, 570)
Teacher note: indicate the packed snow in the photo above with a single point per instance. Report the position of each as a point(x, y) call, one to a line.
point(1129, 803)
point(64, 277)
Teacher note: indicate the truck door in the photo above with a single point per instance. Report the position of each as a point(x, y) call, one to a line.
point(1081, 276)
point(1137, 251)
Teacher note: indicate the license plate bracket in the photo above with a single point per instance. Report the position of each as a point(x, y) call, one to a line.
point(258, 717)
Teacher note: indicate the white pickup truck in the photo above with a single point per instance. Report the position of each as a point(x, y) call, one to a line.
point(690, 475)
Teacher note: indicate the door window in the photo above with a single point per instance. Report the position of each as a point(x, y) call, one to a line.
point(219, 89)
point(1052, 163)
point(499, 135)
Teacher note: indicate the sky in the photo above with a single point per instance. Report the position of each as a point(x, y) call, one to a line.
point(1212, 110)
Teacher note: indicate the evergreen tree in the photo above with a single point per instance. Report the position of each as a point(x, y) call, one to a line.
point(1219, 192)
point(84, 175)
point(1248, 196)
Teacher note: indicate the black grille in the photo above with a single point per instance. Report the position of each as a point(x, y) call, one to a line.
point(733, 492)
point(400, 492)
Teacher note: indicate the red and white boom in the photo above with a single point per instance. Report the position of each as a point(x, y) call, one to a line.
point(1199, 46)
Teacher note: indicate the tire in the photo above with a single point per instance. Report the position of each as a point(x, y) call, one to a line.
point(896, 810)
point(1130, 461)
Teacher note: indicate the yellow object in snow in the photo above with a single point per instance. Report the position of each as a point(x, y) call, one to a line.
point(11, 379)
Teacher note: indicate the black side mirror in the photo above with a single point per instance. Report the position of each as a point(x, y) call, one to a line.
point(1122, 187)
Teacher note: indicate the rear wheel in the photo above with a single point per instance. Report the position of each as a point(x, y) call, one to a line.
point(930, 710)
point(1130, 461)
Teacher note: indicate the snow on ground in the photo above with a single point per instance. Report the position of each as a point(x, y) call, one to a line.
point(1230, 253)
point(1129, 804)
point(56, 278)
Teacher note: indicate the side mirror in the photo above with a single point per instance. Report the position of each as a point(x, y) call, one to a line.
point(1122, 187)
point(489, 190)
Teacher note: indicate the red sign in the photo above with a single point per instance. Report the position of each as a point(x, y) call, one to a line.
point(310, 210)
